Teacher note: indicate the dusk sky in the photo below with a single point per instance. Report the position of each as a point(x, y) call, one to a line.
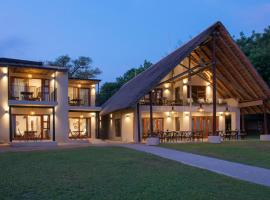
point(117, 34)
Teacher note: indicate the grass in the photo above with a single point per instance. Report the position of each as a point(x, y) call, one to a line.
point(252, 152)
point(113, 173)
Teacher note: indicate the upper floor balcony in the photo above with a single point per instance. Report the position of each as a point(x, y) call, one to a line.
point(31, 93)
point(82, 92)
point(31, 85)
point(181, 94)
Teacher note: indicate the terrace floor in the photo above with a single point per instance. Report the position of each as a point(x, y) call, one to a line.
point(113, 173)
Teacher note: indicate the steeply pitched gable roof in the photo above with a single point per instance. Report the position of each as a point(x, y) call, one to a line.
point(130, 93)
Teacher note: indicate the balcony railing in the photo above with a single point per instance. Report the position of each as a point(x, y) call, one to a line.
point(80, 101)
point(180, 102)
point(31, 93)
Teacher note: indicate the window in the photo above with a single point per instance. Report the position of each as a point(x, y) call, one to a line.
point(79, 96)
point(157, 96)
point(117, 123)
point(177, 123)
point(198, 92)
point(177, 94)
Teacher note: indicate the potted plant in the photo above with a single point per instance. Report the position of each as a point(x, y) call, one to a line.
point(152, 139)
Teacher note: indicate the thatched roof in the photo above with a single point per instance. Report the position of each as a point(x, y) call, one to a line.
point(236, 76)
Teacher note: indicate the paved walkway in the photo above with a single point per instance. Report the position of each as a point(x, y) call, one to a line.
point(4, 149)
point(240, 171)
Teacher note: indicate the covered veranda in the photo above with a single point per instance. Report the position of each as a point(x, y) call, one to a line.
point(214, 57)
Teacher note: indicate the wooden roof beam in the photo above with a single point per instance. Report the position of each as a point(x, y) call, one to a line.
point(181, 75)
point(253, 85)
point(238, 91)
point(223, 56)
point(250, 103)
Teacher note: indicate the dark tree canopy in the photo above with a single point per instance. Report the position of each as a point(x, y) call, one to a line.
point(109, 88)
point(257, 49)
point(78, 68)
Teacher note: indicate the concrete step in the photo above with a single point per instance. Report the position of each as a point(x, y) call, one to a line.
point(33, 143)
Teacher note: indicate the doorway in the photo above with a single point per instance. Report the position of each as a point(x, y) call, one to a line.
point(203, 124)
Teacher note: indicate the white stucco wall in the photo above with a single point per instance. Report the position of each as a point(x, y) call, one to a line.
point(4, 117)
point(61, 110)
point(128, 127)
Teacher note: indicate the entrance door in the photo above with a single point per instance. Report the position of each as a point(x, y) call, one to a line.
point(157, 96)
point(118, 131)
point(157, 125)
point(204, 124)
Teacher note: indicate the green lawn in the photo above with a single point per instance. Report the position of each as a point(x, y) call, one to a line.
point(113, 173)
point(252, 152)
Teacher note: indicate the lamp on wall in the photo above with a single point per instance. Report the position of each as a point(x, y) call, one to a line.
point(227, 112)
point(200, 109)
point(172, 110)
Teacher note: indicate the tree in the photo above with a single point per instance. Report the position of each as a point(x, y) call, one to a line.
point(257, 49)
point(109, 88)
point(78, 68)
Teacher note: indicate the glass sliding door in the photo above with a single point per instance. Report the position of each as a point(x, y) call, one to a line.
point(84, 96)
point(30, 127)
point(79, 127)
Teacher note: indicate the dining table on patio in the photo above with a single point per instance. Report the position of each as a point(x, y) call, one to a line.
point(30, 135)
point(75, 102)
point(26, 95)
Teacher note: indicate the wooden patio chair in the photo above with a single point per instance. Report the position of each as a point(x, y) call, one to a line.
point(243, 134)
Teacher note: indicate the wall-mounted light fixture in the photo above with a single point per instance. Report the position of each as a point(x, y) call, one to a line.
point(93, 115)
point(29, 76)
point(227, 112)
point(167, 85)
point(81, 116)
point(127, 115)
point(79, 85)
point(200, 109)
point(172, 110)
point(111, 116)
point(32, 113)
point(221, 114)
point(186, 114)
point(185, 81)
